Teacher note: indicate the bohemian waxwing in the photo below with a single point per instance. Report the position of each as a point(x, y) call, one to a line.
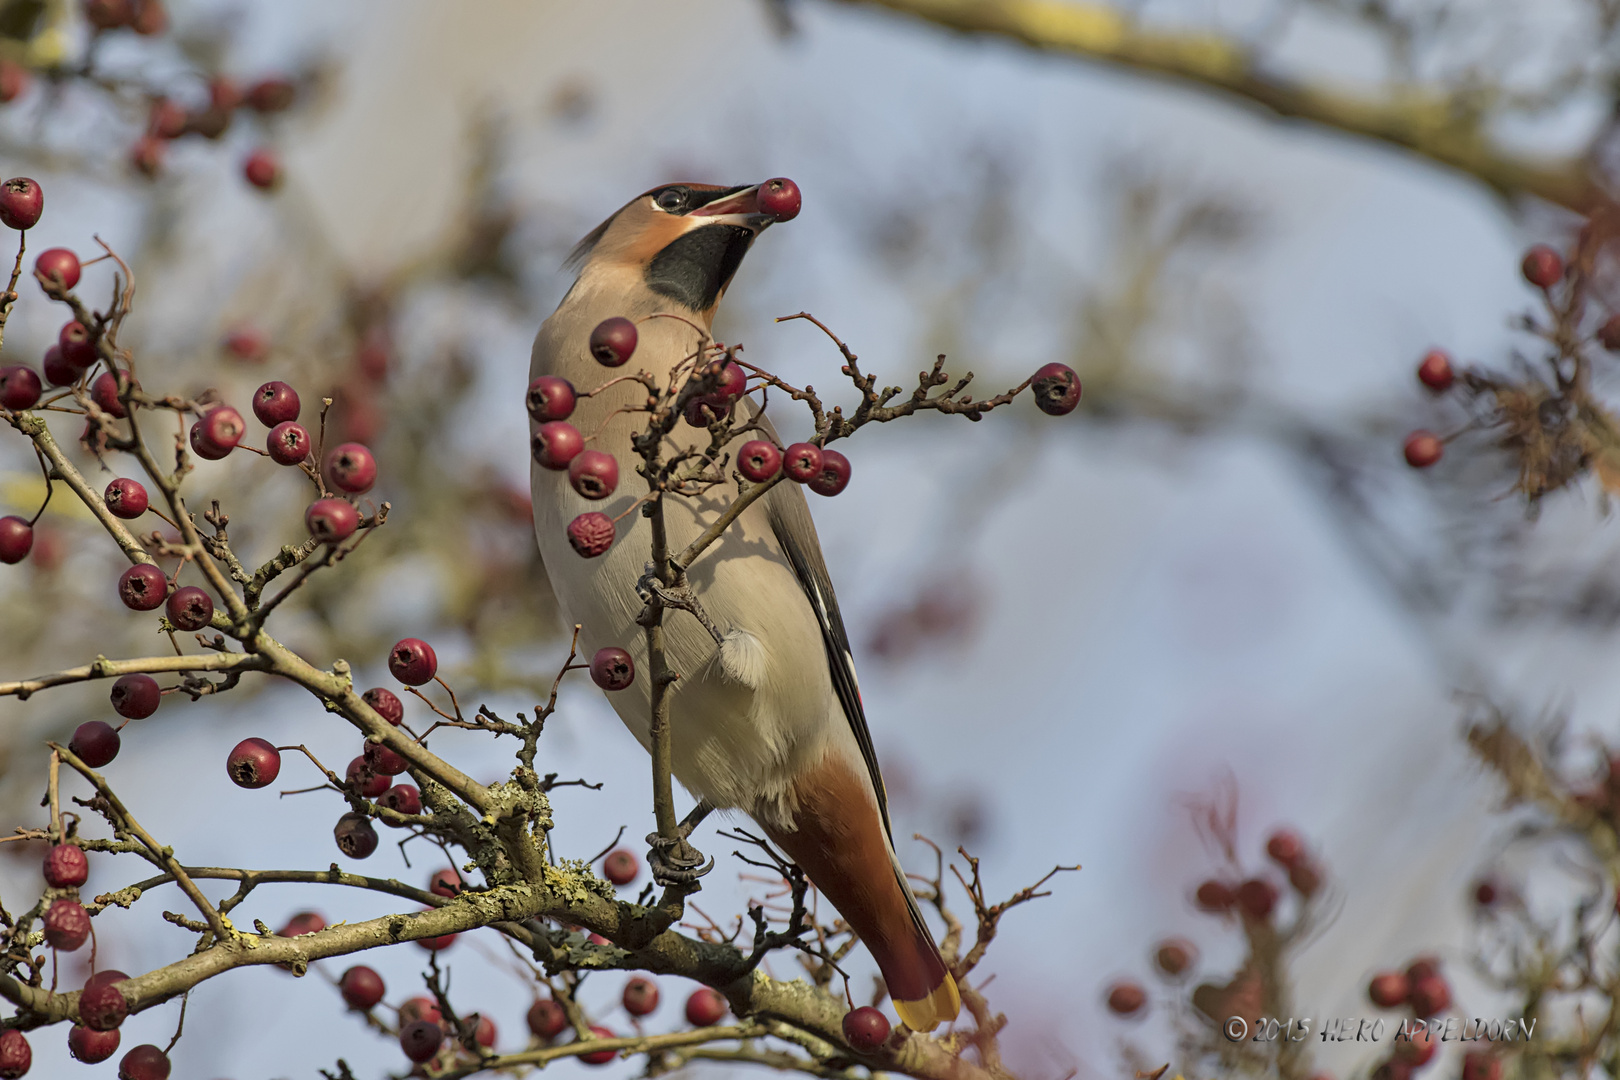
point(769, 721)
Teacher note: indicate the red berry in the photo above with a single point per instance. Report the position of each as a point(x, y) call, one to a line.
point(95, 743)
point(222, 428)
point(16, 539)
point(593, 473)
point(1419, 1048)
point(262, 169)
point(1285, 847)
point(437, 944)
point(600, 1057)
point(368, 784)
point(382, 761)
point(108, 14)
point(1126, 998)
point(91, 1046)
point(126, 498)
point(1481, 1066)
point(1608, 336)
point(1485, 893)
point(107, 975)
point(865, 1028)
point(1388, 989)
point(612, 668)
point(58, 372)
point(802, 462)
point(402, 799)
point(271, 95)
point(104, 392)
point(1257, 897)
point(413, 661)
point(102, 1006)
point(59, 266)
point(1175, 956)
point(1056, 388)
point(289, 443)
point(351, 468)
point(143, 587)
point(1430, 994)
point(331, 520)
point(834, 474)
point(21, 203)
point(547, 1019)
point(151, 17)
point(420, 1039)
point(355, 836)
point(14, 79)
point(759, 460)
point(640, 996)
point(1423, 448)
point(445, 882)
point(484, 1034)
point(779, 198)
point(190, 608)
point(555, 444)
point(1304, 877)
point(247, 343)
point(16, 1056)
point(550, 398)
point(66, 866)
point(705, 409)
point(275, 402)
point(361, 987)
point(147, 154)
point(19, 387)
point(167, 120)
point(591, 533)
point(1435, 371)
point(136, 697)
point(386, 704)
point(1421, 968)
point(78, 344)
point(613, 341)
point(730, 382)
point(67, 925)
point(254, 763)
point(304, 922)
point(1214, 896)
point(705, 1007)
point(1542, 266)
point(420, 1008)
point(620, 866)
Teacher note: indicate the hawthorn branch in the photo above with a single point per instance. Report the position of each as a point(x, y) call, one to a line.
point(102, 668)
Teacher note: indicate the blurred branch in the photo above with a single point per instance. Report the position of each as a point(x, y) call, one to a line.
point(1445, 128)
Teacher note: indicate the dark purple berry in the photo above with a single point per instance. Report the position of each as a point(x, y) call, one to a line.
point(145, 1062)
point(190, 608)
point(222, 428)
point(275, 403)
point(351, 468)
point(550, 398)
point(367, 784)
point(16, 539)
point(102, 1006)
point(613, 341)
point(383, 761)
point(331, 520)
point(104, 392)
point(1056, 388)
point(594, 474)
point(591, 533)
point(386, 704)
point(288, 443)
point(135, 697)
point(354, 835)
point(143, 587)
point(94, 742)
point(126, 498)
point(834, 474)
point(555, 444)
point(202, 447)
point(66, 866)
point(612, 668)
point(21, 203)
point(420, 1039)
point(361, 987)
point(91, 1046)
point(58, 372)
point(802, 462)
point(19, 387)
point(413, 662)
point(253, 763)
point(78, 345)
point(865, 1028)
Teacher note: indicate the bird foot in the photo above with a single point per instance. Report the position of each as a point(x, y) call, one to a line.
point(674, 861)
point(679, 597)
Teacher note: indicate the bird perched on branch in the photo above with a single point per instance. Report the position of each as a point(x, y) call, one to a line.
point(767, 719)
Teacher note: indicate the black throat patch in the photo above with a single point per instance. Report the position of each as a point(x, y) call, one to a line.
point(693, 269)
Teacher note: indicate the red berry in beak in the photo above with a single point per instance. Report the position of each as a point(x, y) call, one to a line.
point(190, 608)
point(612, 668)
point(1056, 388)
point(254, 763)
point(275, 403)
point(19, 387)
point(591, 533)
point(16, 539)
point(355, 837)
point(834, 474)
point(1542, 266)
point(594, 474)
point(803, 462)
point(95, 742)
point(58, 266)
point(1423, 448)
point(613, 341)
point(555, 444)
point(288, 444)
point(21, 203)
point(1435, 371)
point(779, 198)
point(865, 1028)
point(143, 587)
point(125, 498)
point(331, 520)
point(550, 398)
point(351, 468)
point(413, 662)
point(759, 460)
point(135, 697)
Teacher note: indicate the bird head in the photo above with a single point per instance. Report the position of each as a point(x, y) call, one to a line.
point(685, 241)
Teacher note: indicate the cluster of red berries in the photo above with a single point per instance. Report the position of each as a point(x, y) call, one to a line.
point(547, 1018)
point(169, 120)
point(1424, 990)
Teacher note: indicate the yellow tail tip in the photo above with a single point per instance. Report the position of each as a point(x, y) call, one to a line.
point(925, 1014)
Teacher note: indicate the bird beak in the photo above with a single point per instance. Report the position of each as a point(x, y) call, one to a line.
point(738, 208)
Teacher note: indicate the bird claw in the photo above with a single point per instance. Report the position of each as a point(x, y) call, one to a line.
point(674, 862)
point(679, 597)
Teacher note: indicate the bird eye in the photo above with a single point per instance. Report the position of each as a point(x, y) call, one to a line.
point(671, 199)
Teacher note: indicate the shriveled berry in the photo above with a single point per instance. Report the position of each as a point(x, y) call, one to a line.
point(383, 761)
point(95, 742)
point(1542, 266)
point(402, 799)
point(16, 1056)
point(547, 1019)
point(865, 1028)
point(705, 1007)
point(143, 587)
point(303, 922)
point(331, 521)
point(78, 345)
point(361, 987)
point(1435, 371)
point(253, 763)
point(413, 662)
point(145, 1062)
point(289, 443)
point(91, 1046)
point(386, 703)
point(1285, 847)
point(1430, 994)
point(136, 696)
point(190, 608)
point(594, 474)
point(1214, 896)
point(1257, 897)
point(613, 341)
point(59, 267)
point(620, 867)
point(262, 168)
point(759, 460)
point(367, 784)
point(355, 836)
point(1388, 989)
point(550, 398)
point(640, 996)
point(1423, 448)
point(612, 668)
point(19, 387)
point(102, 1006)
point(21, 203)
point(1608, 336)
point(221, 428)
point(104, 392)
point(555, 444)
point(1175, 957)
point(275, 403)
point(591, 533)
point(351, 468)
point(802, 463)
point(66, 866)
point(1126, 998)
point(779, 197)
point(16, 539)
point(834, 474)
point(271, 95)
point(126, 498)
point(67, 925)
point(1056, 388)
point(600, 1057)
